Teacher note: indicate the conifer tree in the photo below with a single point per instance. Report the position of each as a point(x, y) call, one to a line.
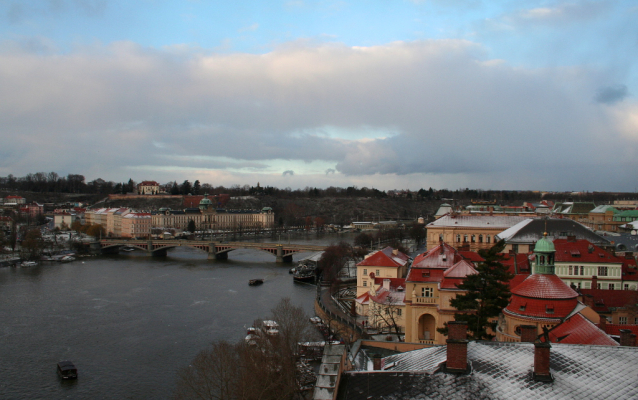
point(487, 293)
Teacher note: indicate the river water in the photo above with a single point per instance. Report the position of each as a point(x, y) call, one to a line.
point(129, 321)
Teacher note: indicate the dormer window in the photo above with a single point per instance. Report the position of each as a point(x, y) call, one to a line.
point(549, 309)
point(425, 274)
point(522, 307)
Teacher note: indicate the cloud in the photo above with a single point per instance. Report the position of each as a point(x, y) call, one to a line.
point(423, 109)
point(611, 94)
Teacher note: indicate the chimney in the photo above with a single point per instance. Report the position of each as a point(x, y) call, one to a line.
point(377, 362)
point(456, 347)
point(528, 333)
point(594, 282)
point(541, 362)
point(627, 338)
point(386, 284)
point(602, 323)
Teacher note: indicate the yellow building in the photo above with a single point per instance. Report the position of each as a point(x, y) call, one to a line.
point(386, 263)
point(431, 284)
point(470, 232)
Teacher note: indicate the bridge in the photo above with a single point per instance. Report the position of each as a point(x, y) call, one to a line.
point(215, 250)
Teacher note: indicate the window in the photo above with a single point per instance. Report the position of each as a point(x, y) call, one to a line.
point(427, 292)
point(611, 286)
point(487, 239)
point(515, 248)
point(480, 238)
point(578, 285)
point(622, 320)
point(570, 270)
point(598, 286)
point(464, 238)
point(399, 311)
point(602, 271)
point(582, 270)
point(636, 321)
point(549, 309)
point(473, 238)
point(365, 271)
point(458, 238)
point(626, 286)
point(377, 273)
point(365, 283)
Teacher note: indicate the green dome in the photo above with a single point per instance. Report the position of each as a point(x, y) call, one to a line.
point(544, 245)
point(205, 201)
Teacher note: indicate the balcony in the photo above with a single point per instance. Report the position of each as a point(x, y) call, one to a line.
point(423, 341)
point(426, 300)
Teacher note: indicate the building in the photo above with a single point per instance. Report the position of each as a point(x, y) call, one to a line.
point(208, 217)
point(522, 237)
point(13, 199)
point(580, 262)
point(544, 303)
point(430, 286)
point(619, 307)
point(387, 263)
point(63, 220)
point(601, 218)
point(136, 225)
point(576, 211)
point(148, 187)
point(469, 232)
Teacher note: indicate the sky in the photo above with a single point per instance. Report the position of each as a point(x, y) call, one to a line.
point(391, 94)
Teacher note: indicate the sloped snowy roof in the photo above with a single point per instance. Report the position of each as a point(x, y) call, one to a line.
point(502, 371)
point(490, 221)
point(532, 231)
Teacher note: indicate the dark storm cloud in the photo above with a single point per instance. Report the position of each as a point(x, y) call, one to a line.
point(611, 94)
point(429, 108)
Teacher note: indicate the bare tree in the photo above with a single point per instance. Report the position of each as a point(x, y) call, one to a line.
point(387, 315)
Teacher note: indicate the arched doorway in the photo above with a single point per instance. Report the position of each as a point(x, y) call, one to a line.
point(427, 327)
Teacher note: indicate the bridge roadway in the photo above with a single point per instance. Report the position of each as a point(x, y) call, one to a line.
point(215, 250)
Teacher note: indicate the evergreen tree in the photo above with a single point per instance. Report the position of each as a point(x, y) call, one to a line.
point(487, 293)
point(196, 187)
point(191, 226)
point(174, 188)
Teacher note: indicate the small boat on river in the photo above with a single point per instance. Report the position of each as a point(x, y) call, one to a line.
point(26, 264)
point(255, 282)
point(66, 370)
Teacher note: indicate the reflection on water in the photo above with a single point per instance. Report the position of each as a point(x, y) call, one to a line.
point(129, 321)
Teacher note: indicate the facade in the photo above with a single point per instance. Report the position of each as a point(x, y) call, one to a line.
point(576, 211)
point(148, 187)
point(13, 199)
point(208, 217)
point(136, 225)
point(470, 232)
point(579, 263)
point(62, 220)
point(601, 218)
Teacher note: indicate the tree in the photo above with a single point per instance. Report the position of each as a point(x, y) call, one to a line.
point(196, 187)
point(387, 314)
point(417, 233)
point(32, 245)
point(487, 293)
point(265, 370)
point(191, 226)
point(363, 240)
point(333, 260)
point(185, 187)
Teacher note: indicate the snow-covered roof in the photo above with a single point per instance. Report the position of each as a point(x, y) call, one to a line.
point(490, 221)
point(501, 371)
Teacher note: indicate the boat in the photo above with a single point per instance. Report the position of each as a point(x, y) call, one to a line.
point(128, 248)
point(304, 274)
point(255, 282)
point(26, 264)
point(66, 370)
point(67, 259)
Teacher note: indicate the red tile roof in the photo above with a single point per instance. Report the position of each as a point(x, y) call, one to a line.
point(582, 251)
point(394, 282)
point(471, 256)
point(579, 330)
point(614, 329)
point(601, 300)
point(441, 256)
point(385, 258)
point(425, 275)
point(541, 308)
point(541, 286)
point(521, 266)
point(517, 280)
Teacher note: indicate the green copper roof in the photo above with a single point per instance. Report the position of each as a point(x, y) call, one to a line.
point(544, 245)
point(205, 200)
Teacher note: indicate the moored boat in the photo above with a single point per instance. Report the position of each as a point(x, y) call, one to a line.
point(26, 264)
point(255, 282)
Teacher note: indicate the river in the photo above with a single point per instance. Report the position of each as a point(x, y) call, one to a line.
point(129, 321)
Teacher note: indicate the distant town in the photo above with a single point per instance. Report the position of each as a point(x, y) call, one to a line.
point(441, 292)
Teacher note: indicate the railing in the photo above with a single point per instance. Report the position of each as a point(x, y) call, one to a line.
point(424, 341)
point(336, 317)
point(426, 300)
